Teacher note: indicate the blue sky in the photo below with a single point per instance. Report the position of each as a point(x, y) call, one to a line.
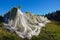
point(34, 6)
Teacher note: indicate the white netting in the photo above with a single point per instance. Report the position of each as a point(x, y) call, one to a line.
point(24, 26)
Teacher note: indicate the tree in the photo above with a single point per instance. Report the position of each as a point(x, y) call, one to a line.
point(19, 7)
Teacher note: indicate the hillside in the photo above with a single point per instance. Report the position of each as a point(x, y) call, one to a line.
point(50, 32)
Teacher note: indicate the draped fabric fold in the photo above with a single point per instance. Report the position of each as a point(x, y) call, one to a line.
point(24, 24)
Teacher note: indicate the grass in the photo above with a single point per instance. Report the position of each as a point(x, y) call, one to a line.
point(50, 32)
point(7, 35)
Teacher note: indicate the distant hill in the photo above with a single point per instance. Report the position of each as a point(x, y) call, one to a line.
point(54, 15)
point(1, 18)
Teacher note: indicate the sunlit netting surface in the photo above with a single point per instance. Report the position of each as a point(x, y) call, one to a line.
point(25, 25)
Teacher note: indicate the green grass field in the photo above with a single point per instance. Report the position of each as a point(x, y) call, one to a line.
point(50, 32)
